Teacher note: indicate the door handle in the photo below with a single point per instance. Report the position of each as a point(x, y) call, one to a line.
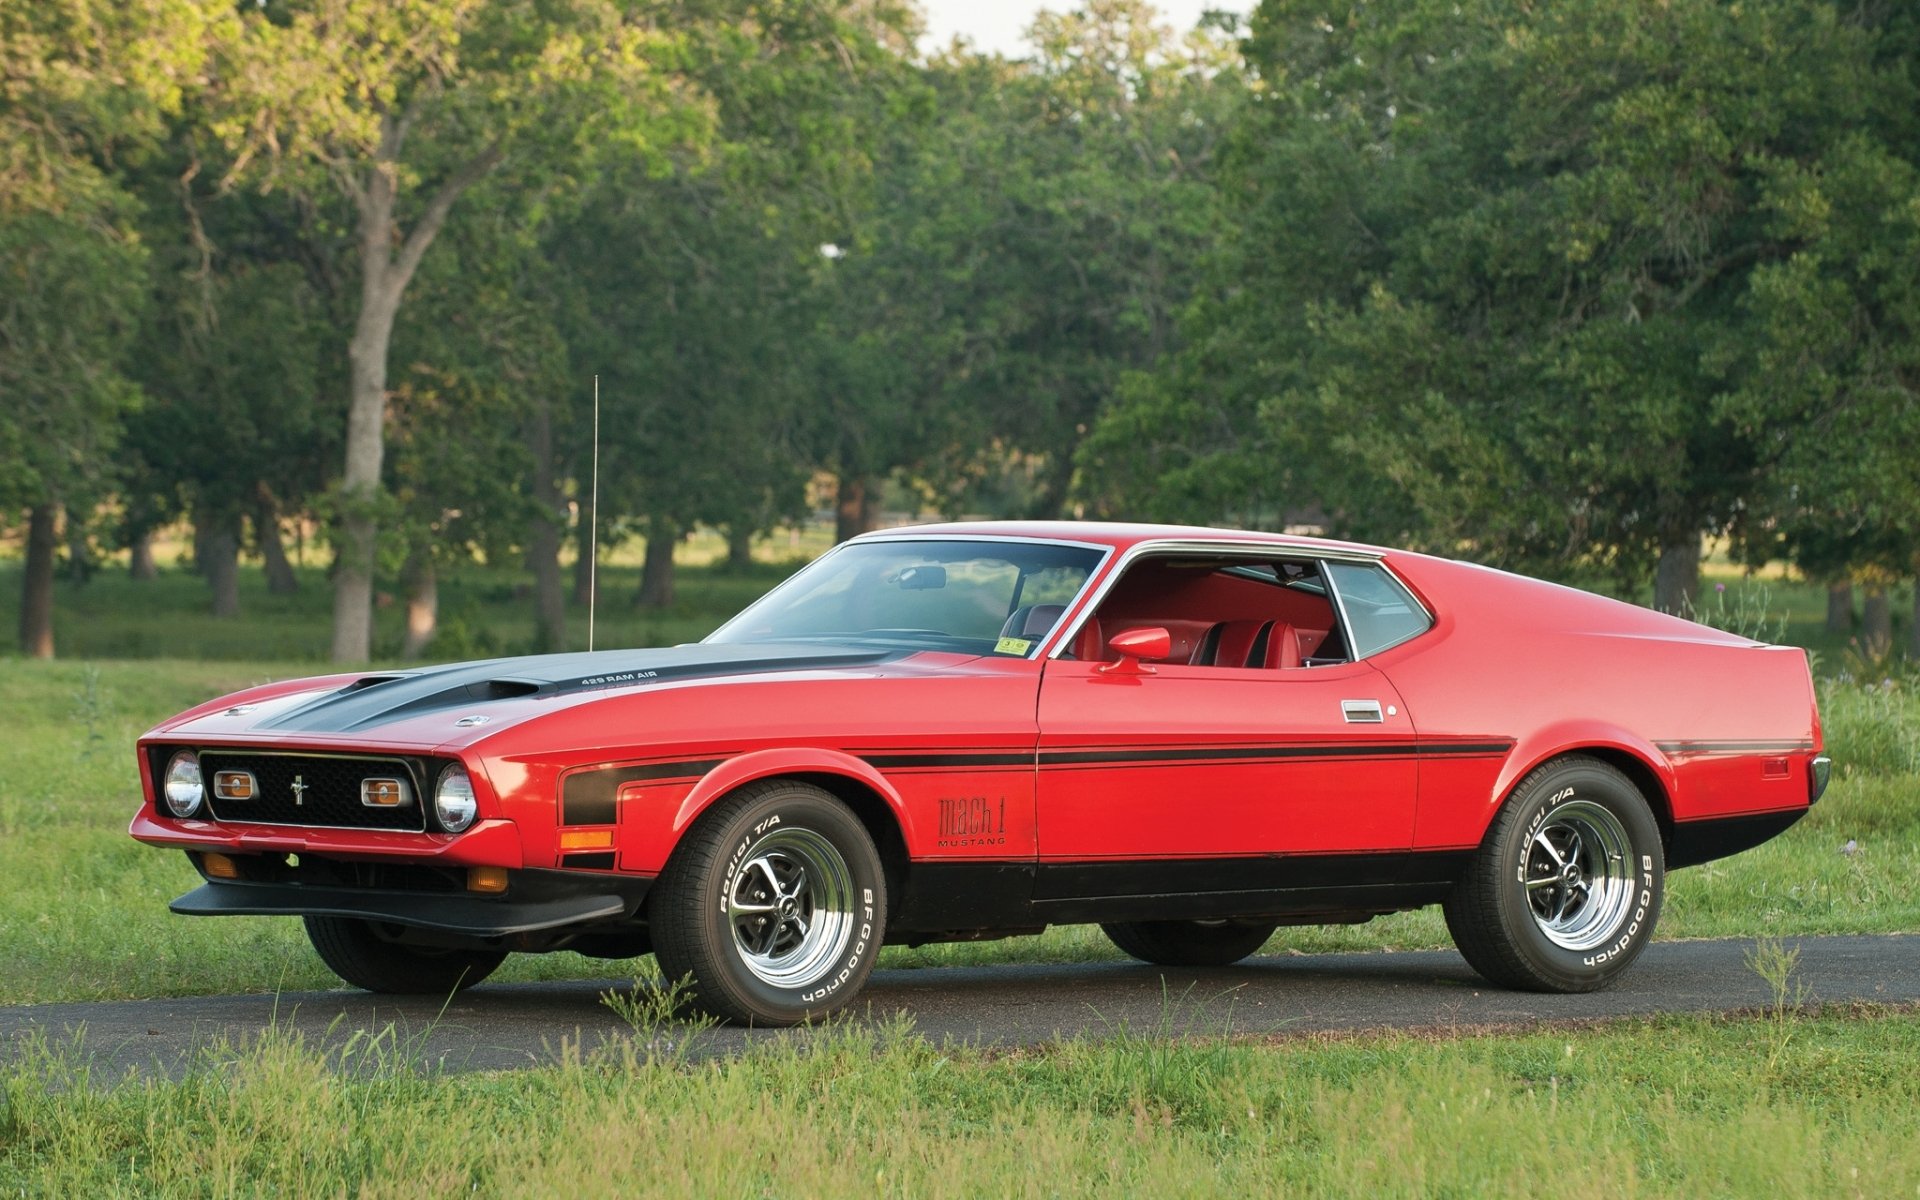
point(1361, 712)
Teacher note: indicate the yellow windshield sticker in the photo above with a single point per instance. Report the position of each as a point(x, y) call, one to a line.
point(1013, 646)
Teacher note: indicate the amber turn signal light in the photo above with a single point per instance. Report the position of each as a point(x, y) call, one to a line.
point(586, 839)
point(385, 793)
point(219, 866)
point(487, 879)
point(235, 785)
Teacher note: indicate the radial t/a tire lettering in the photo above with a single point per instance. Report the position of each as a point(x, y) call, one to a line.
point(1566, 888)
point(360, 953)
point(773, 906)
point(1190, 943)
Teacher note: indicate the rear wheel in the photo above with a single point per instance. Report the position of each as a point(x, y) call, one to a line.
point(1564, 892)
point(368, 955)
point(772, 907)
point(1190, 943)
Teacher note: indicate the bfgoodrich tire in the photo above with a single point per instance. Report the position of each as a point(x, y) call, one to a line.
point(358, 952)
point(1564, 892)
point(772, 907)
point(1190, 943)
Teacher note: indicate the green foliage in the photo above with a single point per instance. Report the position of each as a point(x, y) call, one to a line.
point(1524, 279)
point(1746, 610)
point(1671, 1107)
point(1557, 286)
point(1034, 228)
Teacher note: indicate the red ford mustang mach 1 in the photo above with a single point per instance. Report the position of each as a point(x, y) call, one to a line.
point(953, 732)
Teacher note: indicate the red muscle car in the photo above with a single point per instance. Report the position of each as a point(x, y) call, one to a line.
point(1190, 736)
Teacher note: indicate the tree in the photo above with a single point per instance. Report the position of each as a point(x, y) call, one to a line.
point(483, 356)
point(1489, 291)
point(404, 106)
point(83, 86)
point(1035, 227)
point(692, 285)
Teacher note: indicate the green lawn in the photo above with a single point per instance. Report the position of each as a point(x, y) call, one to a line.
point(1780, 1107)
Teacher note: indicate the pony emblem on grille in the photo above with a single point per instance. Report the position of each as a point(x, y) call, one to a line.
point(299, 790)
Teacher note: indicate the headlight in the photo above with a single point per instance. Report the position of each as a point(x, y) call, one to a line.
point(182, 787)
point(453, 801)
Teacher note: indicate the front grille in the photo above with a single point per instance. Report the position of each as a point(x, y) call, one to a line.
point(328, 794)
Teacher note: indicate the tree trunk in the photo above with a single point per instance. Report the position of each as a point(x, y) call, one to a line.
point(853, 512)
point(423, 602)
point(1876, 622)
point(36, 596)
point(199, 547)
point(656, 575)
point(79, 553)
point(543, 544)
point(1056, 481)
point(384, 274)
point(1840, 606)
point(360, 481)
point(140, 564)
point(739, 547)
point(1913, 633)
point(222, 568)
point(1676, 581)
point(281, 581)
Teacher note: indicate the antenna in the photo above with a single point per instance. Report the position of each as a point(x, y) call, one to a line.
point(593, 516)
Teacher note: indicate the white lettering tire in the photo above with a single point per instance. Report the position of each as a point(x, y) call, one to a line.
point(1565, 890)
point(772, 907)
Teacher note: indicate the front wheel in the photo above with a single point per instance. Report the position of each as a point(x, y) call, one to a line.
point(773, 906)
point(1564, 892)
point(1190, 943)
point(363, 954)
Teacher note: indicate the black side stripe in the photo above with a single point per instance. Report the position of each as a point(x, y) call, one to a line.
point(588, 797)
point(1329, 750)
point(1734, 747)
point(962, 759)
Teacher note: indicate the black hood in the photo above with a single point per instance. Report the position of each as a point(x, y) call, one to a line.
point(378, 699)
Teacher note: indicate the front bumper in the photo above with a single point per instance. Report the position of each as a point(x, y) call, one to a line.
point(535, 901)
point(490, 843)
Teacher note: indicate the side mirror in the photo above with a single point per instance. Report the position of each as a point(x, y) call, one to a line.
point(1134, 645)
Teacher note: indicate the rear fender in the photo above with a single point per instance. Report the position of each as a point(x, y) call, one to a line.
point(1575, 737)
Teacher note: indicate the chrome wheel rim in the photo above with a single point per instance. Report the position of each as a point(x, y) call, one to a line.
point(790, 907)
point(1578, 875)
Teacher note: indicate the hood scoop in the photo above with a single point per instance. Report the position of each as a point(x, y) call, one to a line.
point(374, 700)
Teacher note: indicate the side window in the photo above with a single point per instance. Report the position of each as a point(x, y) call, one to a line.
point(1229, 611)
point(1380, 612)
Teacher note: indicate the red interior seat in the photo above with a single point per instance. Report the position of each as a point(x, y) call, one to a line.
point(1090, 644)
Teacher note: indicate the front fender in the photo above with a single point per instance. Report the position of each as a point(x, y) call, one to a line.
point(748, 768)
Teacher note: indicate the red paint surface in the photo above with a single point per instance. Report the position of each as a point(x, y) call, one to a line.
point(1538, 669)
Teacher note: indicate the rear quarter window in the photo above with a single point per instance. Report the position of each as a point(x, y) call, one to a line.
point(1380, 612)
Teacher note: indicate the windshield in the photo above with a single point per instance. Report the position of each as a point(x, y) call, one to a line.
point(966, 597)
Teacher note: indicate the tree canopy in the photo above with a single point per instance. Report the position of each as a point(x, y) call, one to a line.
point(1562, 287)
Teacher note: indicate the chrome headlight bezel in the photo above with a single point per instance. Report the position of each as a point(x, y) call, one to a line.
point(454, 805)
point(181, 788)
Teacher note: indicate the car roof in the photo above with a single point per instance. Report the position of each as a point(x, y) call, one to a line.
point(1119, 535)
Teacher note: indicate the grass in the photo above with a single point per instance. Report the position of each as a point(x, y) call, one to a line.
point(83, 911)
point(1675, 1106)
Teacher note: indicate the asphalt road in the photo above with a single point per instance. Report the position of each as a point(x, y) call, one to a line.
point(501, 1026)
